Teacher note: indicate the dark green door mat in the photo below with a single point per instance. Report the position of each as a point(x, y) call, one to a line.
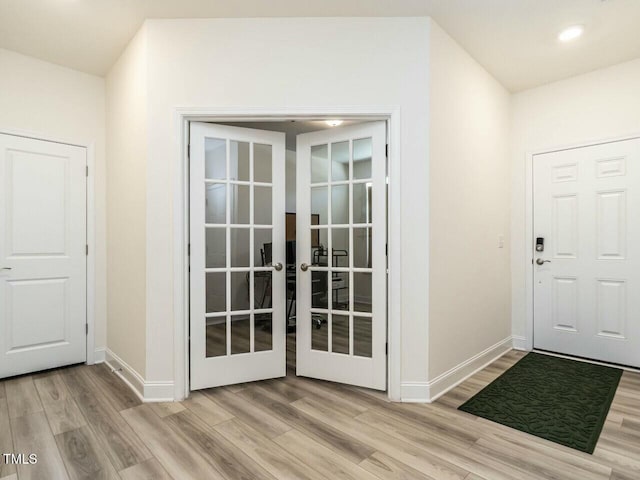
point(561, 400)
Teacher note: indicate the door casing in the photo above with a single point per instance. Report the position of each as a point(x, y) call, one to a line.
point(526, 342)
point(93, 355)
point(185, 115)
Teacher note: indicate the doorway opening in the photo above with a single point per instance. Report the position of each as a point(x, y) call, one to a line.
point(245, 250)
point(338, 286)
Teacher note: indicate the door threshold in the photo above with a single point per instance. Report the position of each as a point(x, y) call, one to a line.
point(587, 360)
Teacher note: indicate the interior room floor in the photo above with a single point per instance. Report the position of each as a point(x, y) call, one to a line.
point(83, 422)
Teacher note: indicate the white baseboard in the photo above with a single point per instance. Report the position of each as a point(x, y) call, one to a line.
point(414, 392)
point(99, 355)
point(427, 392)
point(519, 343)
point(159, 392)
point(146, 391)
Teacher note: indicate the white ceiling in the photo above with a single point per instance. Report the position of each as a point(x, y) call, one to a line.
point(514, 39)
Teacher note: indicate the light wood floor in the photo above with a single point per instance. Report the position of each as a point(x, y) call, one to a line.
point(84, 423)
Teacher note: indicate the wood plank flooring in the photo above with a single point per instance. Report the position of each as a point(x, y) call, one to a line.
point(84, 423)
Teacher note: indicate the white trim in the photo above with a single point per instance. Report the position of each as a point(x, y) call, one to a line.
point(414, 392)
point(89, 146)
point(99, 355)
point(519, 343)
point(428, 392)
point(183, 116)
point(180, 175)
point(529, 247)
point(45, 137)
point(147, 392)
point(126, 373)
point(394, 259)
point(158, 392)
point(91, 256)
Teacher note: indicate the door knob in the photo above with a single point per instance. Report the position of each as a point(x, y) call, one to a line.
point(304, 267)
point(540, 261)
point(277, 266)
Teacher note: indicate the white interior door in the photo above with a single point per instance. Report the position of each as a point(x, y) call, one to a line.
point(42, 255)
point(587, 279)
point(237, 244)
point(341, 224)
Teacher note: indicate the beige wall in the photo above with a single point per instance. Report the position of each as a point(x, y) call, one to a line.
point(468, 129)
point(600, 105)
point(214, 63)
point(43, 99)
point(469, 292)
point(127, 204)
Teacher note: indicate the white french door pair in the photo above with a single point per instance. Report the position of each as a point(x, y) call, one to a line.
point(238, 279)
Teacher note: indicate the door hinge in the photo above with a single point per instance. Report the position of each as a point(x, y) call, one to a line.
point(86, 329)
point(386, 150)
point(386, 348)
point(386, 249)
point(189, 249)
point(86, 249)
point(189, 151)
point(86, 171)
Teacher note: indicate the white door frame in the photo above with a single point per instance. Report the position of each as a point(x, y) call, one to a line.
point(93, 356)
point(180, 174)
point(526, 342)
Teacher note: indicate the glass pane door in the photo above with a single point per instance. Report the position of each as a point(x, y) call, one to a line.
point(237, 252)
point(341, 313)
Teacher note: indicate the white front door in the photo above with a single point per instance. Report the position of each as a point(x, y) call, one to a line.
point(587, 279)
point(237, 245)
point(341, 227)
point(42, 255)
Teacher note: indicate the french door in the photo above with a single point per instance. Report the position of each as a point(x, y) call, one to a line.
point(43, 257)
point(587, 262)
point(341, 243)
point(237, 253)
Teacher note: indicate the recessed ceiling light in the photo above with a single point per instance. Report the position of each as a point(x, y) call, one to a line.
point(570, 33)
point(334, 123)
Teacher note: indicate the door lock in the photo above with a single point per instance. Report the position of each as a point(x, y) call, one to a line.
point(540, 261)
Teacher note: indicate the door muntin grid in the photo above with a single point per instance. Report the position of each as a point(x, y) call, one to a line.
point(341, 268)
point(238, 232)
